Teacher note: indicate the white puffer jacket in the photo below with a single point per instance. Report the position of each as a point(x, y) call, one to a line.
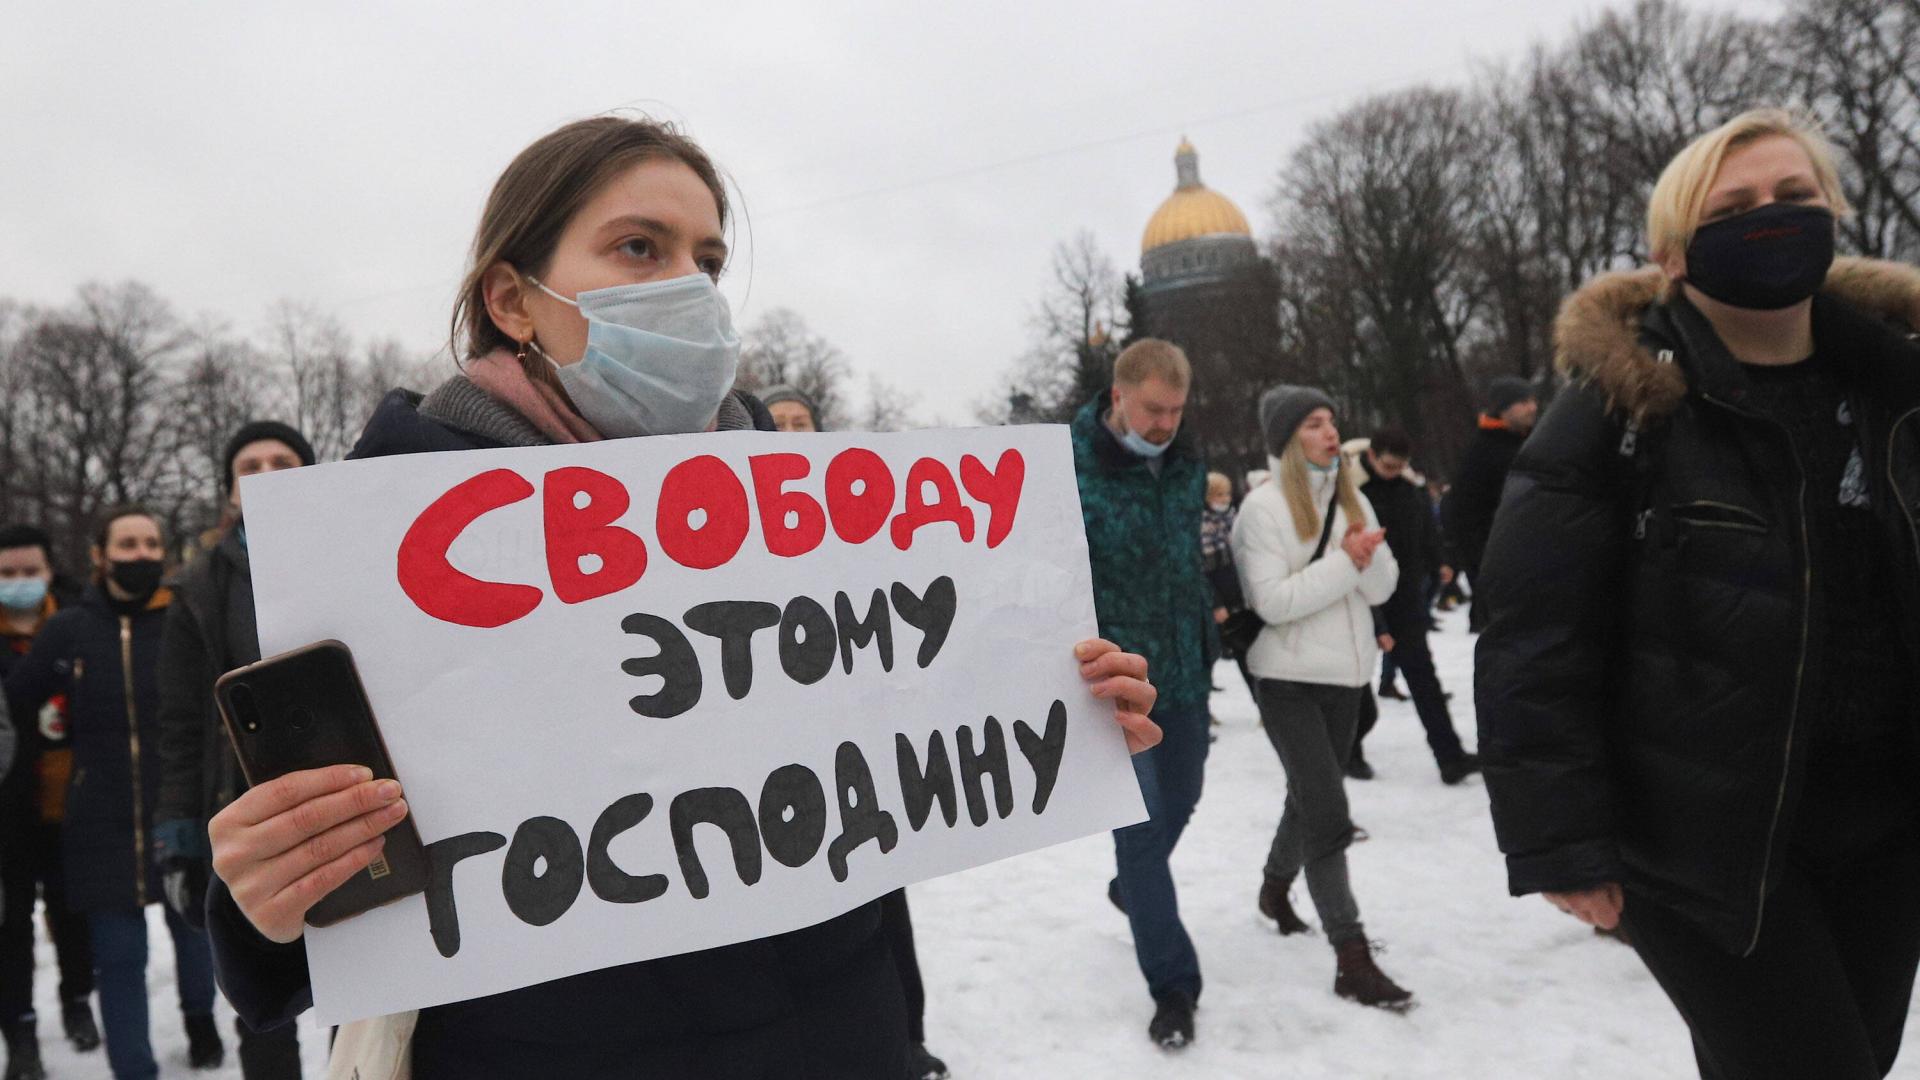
point(1319, 615)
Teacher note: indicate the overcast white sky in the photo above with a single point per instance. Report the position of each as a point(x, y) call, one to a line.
point(908, 166)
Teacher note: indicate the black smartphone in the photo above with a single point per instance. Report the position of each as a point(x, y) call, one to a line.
point(306, 709)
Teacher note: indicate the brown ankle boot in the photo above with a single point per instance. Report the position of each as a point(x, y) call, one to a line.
point(1360, 980)
point(1275, 905)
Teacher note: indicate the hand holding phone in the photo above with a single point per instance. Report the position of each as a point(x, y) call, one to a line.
point(323, 834)
point(287, 844)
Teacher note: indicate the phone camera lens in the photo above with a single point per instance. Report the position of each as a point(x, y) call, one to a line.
point(245, 708)
point(300, 718)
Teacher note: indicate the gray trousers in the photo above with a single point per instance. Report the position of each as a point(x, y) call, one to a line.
point(1312, 727)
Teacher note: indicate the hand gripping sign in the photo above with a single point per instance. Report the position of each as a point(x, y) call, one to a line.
point(650, 696)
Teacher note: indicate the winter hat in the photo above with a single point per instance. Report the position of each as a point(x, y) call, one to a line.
point(1507, 391)
point(1284, 408)
point(253, 433)
point(774, 395)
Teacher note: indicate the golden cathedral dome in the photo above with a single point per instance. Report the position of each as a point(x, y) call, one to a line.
point(1193, 210)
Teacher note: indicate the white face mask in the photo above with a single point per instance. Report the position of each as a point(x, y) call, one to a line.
point(661, 356)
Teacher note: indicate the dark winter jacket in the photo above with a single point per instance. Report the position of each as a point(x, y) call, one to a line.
point(209, 632)
point(823, 1002)
point(1413, 536)
point(1467, 511)
point(105, 663)
point(1640, 682)
point(23, 802)
point(1143, 537)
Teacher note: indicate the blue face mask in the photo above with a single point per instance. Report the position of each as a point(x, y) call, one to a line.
point(1134, 442)
point(661, 355)
point(23, 593)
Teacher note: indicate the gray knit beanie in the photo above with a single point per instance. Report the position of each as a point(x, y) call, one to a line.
point(1284, 408)
point(773, 395)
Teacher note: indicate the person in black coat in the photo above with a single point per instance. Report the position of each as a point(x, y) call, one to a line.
point(609, 202)
point(102, 653)
point(1697, 686)
point(210, 631)
point(32, 802)
point(1467, 512)
point(1404, 620)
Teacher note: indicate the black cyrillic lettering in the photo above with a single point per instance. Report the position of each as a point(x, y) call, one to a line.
point(734, 622)
point(604, 876)
point(539, 896)
point(1044, 752)
point(443, 918)
point(991, 761)
point(861, 818)
point(932, 614)
point(675, 662)
point(919, 789)
point(806, 641)
point(720, 806)
point(793, 814)
point(855, 633)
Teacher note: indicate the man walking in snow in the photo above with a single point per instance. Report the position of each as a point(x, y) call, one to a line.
point(1467, 513)
point(1142, 489)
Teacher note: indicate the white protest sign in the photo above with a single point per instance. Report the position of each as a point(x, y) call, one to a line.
point(650, 696)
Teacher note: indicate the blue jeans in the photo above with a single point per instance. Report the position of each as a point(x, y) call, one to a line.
point(120, 971)
point(1170, 778)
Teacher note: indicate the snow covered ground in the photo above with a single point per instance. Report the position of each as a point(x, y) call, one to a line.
point(1030, 973)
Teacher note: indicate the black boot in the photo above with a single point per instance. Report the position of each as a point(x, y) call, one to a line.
point(77, 1017)
point(1358, 979)
point(1452, 772)
point(1357, 766)
point(924, 1066)
point(1275, 905)
point(1172, 1026)
point(23, 1052)
point(204, 1048)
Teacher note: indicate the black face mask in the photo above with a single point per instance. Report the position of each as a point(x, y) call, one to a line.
point(1764, 259)
point(139, 578)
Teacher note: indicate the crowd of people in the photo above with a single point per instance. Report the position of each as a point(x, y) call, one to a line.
point(1696, 580)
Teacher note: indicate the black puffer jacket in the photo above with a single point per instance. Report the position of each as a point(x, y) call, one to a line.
point(1640, 684)
point(823, 1003)
point(1467, 512)
point(104, 661)
point(209, 632)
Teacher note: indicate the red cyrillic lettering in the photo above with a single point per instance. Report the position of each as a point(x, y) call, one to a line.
point(999, 489)
point(857, 516)
point(574, 531)
point(770, 472)
point(433, 584)
point(919, 513)
point(705, 484)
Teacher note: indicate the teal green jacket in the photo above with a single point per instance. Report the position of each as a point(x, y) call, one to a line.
point(1143, 538)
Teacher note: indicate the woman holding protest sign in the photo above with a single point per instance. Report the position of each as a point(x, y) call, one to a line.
point(1313, 563)
point(589, 312)
point(103, 653)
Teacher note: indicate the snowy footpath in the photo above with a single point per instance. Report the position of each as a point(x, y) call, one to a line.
point(1030, 973)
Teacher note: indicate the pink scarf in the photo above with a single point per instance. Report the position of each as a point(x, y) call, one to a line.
point(500, 375)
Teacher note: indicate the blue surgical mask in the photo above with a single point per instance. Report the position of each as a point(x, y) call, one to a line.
point(661, 356)
point(23, 593)
point(1134, 442)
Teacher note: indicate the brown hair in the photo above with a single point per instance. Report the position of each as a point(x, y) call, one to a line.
point(539, 193)
point(104, 521)
point(1151, 358)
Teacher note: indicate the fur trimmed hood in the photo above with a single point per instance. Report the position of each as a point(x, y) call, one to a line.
point(1596, 336)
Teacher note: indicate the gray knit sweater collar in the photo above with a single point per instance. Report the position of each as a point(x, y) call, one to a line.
point(459, 404)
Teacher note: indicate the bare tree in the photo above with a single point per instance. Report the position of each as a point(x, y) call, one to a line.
point(1076, 331)
point(1380, 204)
point(780, 349)
point(886, 408)
point(1854, 63)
